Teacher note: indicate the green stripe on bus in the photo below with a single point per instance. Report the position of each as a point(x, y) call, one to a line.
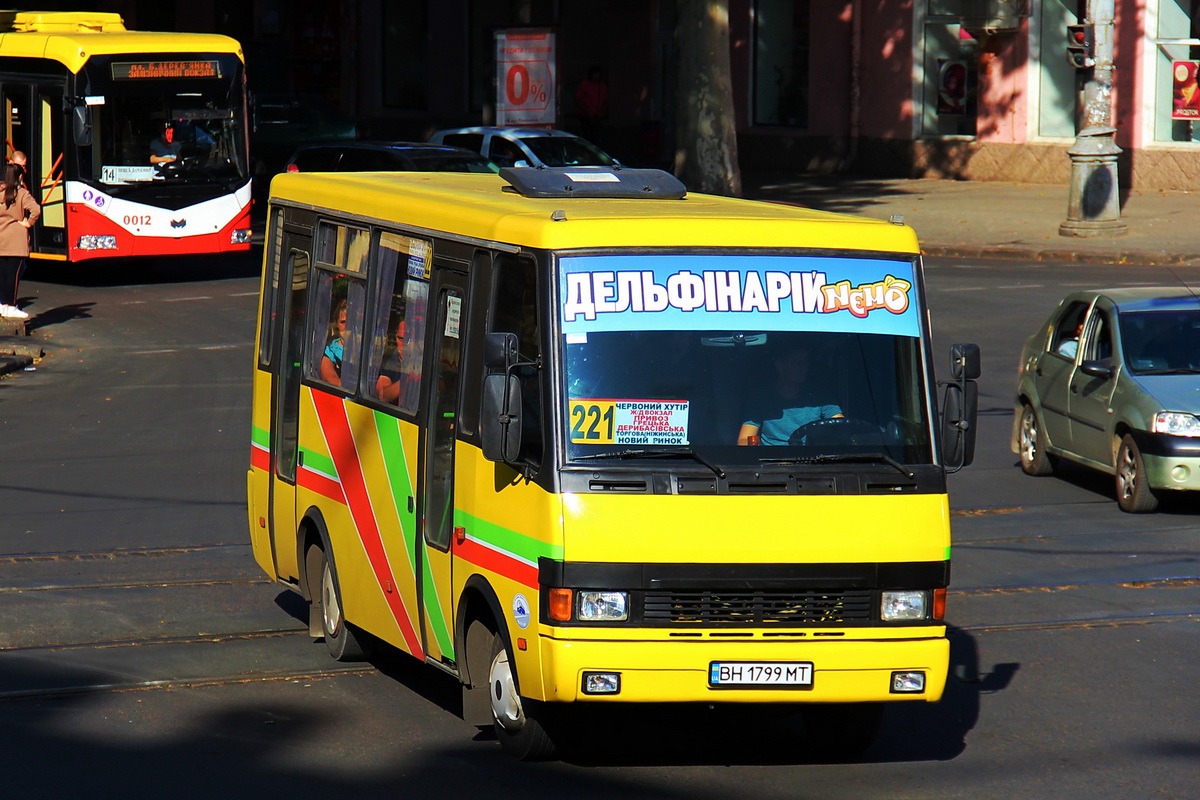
point(517, 544)
point(318, 462)
point(260, 436)
point(399, 480)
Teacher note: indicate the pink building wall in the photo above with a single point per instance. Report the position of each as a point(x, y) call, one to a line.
point(887, 74)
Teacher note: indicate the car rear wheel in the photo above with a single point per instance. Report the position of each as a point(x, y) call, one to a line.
point(1133, 490)
point(1032, 444)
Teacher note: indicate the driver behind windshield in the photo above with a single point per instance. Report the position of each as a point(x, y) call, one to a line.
point(165, 148)
point(791, 402)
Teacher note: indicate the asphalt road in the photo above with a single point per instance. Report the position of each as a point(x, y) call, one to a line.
point(143, 653)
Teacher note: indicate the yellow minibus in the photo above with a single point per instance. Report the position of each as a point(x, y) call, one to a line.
point(579, 436)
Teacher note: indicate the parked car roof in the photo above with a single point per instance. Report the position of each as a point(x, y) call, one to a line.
point(537, 147)
point(386, 156)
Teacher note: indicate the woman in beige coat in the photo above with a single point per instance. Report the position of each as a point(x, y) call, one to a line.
point(18, 212)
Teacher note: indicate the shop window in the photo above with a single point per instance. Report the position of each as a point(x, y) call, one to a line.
point(1176, 69)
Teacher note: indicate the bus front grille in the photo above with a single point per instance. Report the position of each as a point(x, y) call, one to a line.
point(791, 608)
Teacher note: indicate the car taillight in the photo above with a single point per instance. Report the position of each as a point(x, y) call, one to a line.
point(293, 168)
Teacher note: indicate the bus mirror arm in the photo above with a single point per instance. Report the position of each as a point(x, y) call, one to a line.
point(500, 417)
point(960, 407)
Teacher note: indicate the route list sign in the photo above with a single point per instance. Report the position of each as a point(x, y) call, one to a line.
point(525, 79)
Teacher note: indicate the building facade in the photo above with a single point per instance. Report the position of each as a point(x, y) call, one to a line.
point(964, 89)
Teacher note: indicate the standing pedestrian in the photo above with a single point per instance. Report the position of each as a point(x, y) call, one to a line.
point(592, 100)
point(17, 215)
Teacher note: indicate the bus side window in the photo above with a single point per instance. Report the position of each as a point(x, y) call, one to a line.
point(337, 330)
point(397, 344)
point(514, 310)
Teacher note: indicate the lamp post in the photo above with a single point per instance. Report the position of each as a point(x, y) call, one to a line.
point(1093, 206)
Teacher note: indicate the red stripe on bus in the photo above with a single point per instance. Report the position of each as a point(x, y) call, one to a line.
point(331, 412)
point(259, 458)
point(489, 559)
point(321, 484)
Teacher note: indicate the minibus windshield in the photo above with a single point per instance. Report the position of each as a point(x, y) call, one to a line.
point(811, 380)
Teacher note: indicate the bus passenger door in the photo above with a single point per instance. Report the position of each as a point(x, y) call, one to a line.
point(285, 405)
point(436, 495)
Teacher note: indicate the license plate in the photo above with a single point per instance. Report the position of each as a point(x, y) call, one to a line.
point(760, 674)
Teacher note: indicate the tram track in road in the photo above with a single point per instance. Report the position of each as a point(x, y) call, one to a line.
point(83, 555)
point(187, 683)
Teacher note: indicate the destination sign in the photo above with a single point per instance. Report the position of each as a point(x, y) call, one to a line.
point(155, 70)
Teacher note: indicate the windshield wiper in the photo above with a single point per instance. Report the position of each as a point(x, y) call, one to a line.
point(1175, 371)
point(679, 452)
point(844, 458)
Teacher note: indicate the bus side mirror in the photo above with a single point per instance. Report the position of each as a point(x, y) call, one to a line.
point(81, 124)
point(960, 409)
point(964, 361)
point(500, 417)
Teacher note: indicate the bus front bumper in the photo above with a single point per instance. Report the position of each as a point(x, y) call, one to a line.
point(858, 670)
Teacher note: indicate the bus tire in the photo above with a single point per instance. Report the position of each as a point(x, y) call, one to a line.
point(521, 725)
point(842, 730)
point(341, 639)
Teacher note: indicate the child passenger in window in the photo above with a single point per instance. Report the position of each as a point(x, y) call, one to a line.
point(331, 361)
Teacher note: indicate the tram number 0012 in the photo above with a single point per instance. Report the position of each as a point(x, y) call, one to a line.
point(136, 219)
point(592, 423)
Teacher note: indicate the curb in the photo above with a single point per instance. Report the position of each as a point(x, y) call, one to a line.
point(14, 363)
point(1077, 256)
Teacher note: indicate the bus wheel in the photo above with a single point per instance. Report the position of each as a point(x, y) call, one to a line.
point(341, 640)
point(520, 723)
point(842, 730)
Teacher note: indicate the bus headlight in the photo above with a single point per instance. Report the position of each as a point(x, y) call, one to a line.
point(97, 243)
point(240, 236)
point(1176, 424)
point(603, 606)
point(904, 605)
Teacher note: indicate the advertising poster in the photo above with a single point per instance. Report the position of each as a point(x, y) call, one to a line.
point(952, 88)
point(525, 79)
point(1185, 94)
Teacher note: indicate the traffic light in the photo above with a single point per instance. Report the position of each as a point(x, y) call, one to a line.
point(1081, 45)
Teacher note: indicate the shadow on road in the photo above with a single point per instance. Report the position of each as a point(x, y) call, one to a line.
point(131, 272)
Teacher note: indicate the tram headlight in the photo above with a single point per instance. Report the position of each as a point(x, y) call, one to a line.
point(904, 605)
point(240, 236)
point(595, 606)
point(97, 243)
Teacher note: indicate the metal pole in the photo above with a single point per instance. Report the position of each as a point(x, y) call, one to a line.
point(1093, 207)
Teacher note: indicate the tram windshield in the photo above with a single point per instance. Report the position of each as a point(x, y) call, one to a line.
point(174, 119)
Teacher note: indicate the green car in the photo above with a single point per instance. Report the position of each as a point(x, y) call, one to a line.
point(1112, 381)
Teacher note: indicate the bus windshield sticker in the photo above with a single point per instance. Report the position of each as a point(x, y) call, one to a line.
point(738, 292)
point(453, 314)
point(607, 421)
point(418, 258)
point(115, 174)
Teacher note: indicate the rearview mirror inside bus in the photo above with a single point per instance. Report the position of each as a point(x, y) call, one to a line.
point(81, 124)
point(500, 416)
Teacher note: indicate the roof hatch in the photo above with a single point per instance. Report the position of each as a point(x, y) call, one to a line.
point(593, 182)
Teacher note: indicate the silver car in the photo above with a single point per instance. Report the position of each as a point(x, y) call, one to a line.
point(1112, 381)
point(528, 147)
